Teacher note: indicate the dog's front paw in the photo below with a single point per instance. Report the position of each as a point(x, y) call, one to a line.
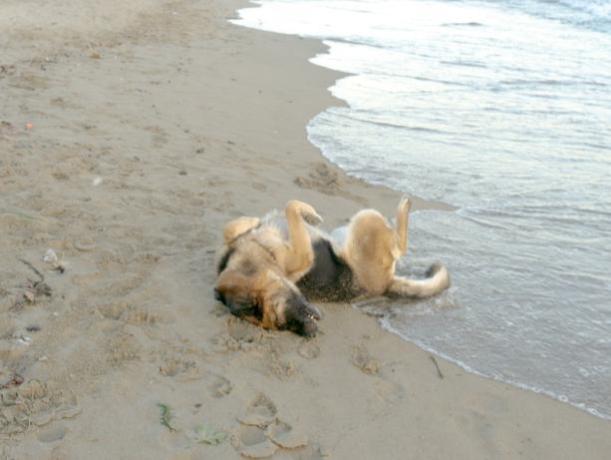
point(306, 211)
point(312, 218)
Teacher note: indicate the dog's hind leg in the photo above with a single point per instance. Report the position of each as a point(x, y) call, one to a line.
point(238, 227)
point(300, 255)
point(371, 250)
point(402, 224)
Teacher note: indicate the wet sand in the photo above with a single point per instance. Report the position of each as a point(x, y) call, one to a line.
point(129, 133)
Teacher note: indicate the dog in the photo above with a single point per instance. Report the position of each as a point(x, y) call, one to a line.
point(270, 268)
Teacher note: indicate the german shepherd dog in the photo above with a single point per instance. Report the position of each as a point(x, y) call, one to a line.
point(270, 267)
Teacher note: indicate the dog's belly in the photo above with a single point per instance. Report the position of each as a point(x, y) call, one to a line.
point(330, 278)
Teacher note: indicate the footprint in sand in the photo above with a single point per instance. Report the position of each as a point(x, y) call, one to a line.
point(283, 435)
point(313, 452)
point(124, 347)
point(242, 331)
point(321, 178)
point(220, 386)
point(390, 393)
point(142, 316)
point(175, 366)
point(34, 404)
point(260, 412)
point(280, 441)
point(240, 336)
point(252, 441)
point(364, 361)
point(139, 316)
point(262, 435)
point(281, 368)
point(113, 310)
point(309, 349)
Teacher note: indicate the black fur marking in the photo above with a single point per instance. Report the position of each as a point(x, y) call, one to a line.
point(330, 278)
point(222, 265)
point(240, 307)
point(300, 316)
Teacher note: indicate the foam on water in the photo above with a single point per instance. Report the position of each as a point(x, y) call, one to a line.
point(502, 109)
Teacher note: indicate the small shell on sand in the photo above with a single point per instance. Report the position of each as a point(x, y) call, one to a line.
point(264, 449)
point(50, 257)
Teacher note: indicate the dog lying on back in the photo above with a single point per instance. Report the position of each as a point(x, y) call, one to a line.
point(271, 267)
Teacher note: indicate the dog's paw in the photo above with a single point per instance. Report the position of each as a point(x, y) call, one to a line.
point(405, 205)
point(312, 218)
point(306, 211)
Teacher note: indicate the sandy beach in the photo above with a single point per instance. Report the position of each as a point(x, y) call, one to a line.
point(129, 133)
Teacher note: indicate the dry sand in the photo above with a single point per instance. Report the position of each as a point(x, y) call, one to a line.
point(129, 132)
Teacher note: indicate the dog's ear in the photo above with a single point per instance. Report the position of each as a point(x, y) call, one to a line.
point(223, 260)
point(239, 294)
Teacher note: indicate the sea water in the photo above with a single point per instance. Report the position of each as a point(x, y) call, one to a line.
point(503, 110)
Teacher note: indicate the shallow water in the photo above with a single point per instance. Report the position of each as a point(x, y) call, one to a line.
point(502, 109)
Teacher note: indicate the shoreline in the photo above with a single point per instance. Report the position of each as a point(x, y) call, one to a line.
point(515, 384)
point(419, 203)
point(187, 122)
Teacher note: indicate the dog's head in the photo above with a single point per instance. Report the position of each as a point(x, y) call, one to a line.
point(267, 299)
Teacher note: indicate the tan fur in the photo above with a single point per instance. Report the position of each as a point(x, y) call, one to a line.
point(238, 227)
point(260, 290)
point(264, 264)
point(373, 248)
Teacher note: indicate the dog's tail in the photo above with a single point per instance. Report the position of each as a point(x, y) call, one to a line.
point(437, 280)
